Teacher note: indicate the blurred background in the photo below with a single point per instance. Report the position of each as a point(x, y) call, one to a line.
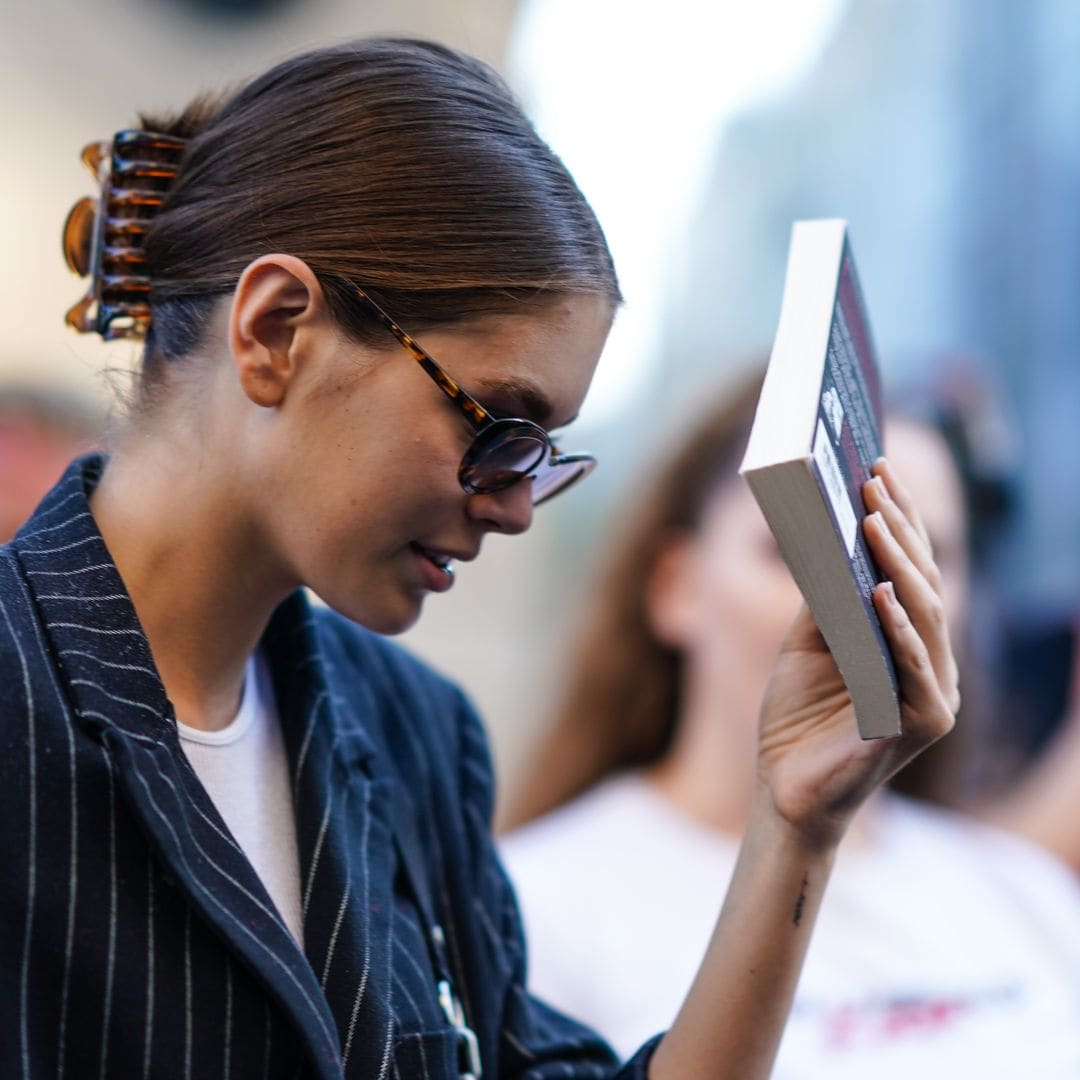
point(945, 131)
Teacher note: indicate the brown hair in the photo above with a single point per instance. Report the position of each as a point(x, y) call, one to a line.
point(403, 165)
point(622, 699)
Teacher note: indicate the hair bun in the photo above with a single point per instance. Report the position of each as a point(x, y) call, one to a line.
point(103, 237)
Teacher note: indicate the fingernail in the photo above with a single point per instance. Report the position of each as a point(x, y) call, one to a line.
point(890, 593)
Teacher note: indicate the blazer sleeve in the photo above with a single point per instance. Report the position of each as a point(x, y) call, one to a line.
point(535, 1042)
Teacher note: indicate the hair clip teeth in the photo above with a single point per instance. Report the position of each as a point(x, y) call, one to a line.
point(103, 237)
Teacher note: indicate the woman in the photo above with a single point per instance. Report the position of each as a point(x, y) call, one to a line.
point(326, 900)
point(944, 949)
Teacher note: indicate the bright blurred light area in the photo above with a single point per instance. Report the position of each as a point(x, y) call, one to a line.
point(634, 98)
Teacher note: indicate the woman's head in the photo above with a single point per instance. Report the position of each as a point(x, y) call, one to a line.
point(404, 169)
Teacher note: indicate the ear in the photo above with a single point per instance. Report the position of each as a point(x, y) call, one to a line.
point(671, 591)
point(277, 302)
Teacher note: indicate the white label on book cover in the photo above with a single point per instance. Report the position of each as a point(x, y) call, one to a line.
point(829, 468)
point(834, 410)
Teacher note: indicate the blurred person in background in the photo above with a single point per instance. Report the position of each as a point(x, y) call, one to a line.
point(246, 835)
point(1023, 675)
point(41, 430)
point(948, 948)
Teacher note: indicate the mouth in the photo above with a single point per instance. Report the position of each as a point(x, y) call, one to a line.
point(438, 565)
point(441, 559)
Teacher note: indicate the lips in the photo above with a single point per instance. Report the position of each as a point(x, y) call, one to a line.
point(439, 558)
point(437, 565)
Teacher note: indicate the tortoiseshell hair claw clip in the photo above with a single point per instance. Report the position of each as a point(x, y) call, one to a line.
point(103, 237)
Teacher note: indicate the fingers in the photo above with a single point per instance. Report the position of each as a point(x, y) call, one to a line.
point(906, 528)
point(929, 714)
point(882, 469)
point(924, 614)
point(903, 521)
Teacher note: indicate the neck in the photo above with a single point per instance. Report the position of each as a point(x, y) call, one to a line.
point(194, 566)
point(710, 770)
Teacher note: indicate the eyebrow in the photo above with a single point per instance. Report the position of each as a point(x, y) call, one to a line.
point(525, 397)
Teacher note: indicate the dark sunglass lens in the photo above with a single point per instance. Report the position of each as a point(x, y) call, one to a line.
point(502, 463)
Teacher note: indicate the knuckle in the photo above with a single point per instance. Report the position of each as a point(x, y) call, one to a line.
point(945, 723)
point(935, 613)
point(918, 660)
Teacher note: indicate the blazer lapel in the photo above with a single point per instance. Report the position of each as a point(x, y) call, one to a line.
point(343, 810)
point(118, 699)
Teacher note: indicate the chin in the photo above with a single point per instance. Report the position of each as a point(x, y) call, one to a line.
point(381, 619)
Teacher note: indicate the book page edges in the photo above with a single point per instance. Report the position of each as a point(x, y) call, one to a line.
point(796, 511)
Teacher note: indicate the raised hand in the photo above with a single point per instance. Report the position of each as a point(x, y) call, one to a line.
point(812, 764)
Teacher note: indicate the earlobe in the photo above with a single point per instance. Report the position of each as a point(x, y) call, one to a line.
point(278, 299)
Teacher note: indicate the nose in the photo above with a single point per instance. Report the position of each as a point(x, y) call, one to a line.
point(508, 511)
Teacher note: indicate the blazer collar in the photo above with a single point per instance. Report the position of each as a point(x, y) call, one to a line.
point(88, 615)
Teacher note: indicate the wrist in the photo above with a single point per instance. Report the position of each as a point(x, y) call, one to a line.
point(807, 835)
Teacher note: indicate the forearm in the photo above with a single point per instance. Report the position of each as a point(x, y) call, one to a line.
point(732, 1019)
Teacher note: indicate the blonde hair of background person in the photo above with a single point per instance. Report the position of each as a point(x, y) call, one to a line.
point(285, 436)
point(946, 948)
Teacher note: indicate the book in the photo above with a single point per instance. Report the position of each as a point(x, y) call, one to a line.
point(816, 433)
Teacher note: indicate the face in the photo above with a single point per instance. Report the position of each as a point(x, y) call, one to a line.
point(728, 599)
point(367, 508)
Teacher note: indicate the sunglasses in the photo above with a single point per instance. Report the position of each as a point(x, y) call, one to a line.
point(503, 451)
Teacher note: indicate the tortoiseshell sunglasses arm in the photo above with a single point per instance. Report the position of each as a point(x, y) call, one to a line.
point(474, 412)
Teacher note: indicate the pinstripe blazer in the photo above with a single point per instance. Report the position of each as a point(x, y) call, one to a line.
point(136, 940)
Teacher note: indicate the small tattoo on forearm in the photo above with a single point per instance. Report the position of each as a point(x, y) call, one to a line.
point(797, 914)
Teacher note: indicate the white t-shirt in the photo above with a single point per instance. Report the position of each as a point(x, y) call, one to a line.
point(245, 770)
point(943, 949)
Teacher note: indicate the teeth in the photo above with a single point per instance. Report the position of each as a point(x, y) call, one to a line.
point(441, 561)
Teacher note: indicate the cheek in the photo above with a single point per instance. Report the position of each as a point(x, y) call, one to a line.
point(747, 602)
